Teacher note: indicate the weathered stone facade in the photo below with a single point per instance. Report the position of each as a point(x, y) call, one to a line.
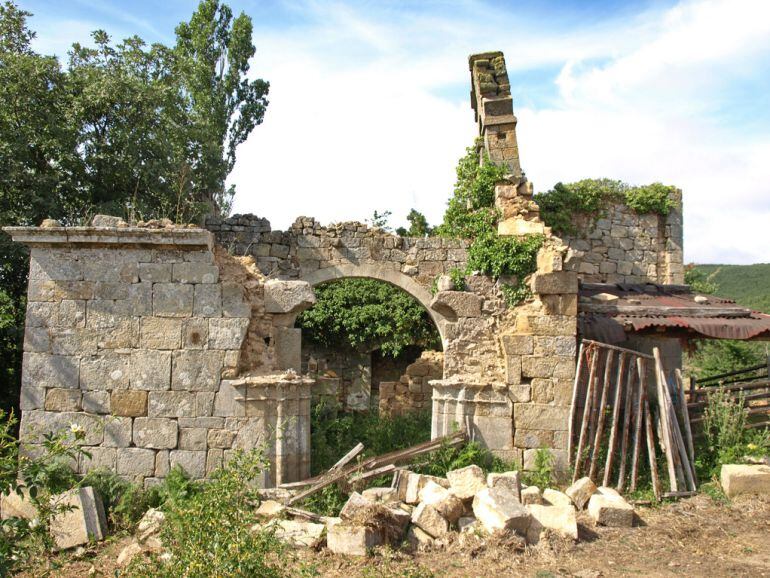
point(626, 247)
point(413, 391)
point(177, 345)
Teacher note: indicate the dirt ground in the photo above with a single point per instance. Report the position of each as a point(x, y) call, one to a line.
point(693, 537)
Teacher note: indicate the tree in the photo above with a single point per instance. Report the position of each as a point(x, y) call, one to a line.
point(418, 225)
point(366, 314)
point(212, 61)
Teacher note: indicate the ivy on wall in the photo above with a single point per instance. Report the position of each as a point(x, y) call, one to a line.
point(471, 214)
point(592, 197)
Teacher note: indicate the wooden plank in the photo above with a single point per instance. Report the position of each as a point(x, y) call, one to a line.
point(616, 348)
point(737, 372)
point(594, 353)
point(573, 405)
point(379, 461)
point(750, 411)
point(596, 397)
point(628, 401)
point(615, 418)
point(602, 413)
point(641, 378)
point(667, 438)
point(653, 459)
point(686, 419)
point(612, 287)
point(680, 453)
point(359, 447)
point(665, 310)
point(700, 405)
point(764, 384)
point(372, 474)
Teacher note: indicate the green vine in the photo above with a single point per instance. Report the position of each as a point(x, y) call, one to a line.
point(592, 197)
point(471, 214)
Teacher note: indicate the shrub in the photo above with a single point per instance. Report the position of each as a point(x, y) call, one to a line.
point(542, 475)
point(208, 531)
point(449, 458)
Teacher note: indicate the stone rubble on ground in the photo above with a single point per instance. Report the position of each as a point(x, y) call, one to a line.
point(581, 491)
point(608, 508)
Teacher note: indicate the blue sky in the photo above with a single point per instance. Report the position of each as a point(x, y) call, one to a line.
point(369, 101)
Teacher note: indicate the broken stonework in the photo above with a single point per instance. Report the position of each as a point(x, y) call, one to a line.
point(531, 495)
point(581, 491)
point(457, 304)
point(352, 540)
point(608, 508)
point(467, 482)
point(428, 519)
point(556, 498)
point(298, 533)
point(745, 479)
point(444, 501)
point(509, 480)
point(81, 521)
point(288, 296)
point(559, 519)
point(498, 509)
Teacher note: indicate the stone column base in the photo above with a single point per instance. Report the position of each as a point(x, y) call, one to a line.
point(277, 407)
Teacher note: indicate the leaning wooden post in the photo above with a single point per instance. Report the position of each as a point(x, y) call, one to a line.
point(573, 407)
point(629, 390)
point(602, 415)
point(650, 443)
point(615, 417)
point(642, 380)
point(686, 418)
point(586, 413)
point(664, 423)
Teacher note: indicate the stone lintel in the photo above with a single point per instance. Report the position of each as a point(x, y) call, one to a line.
point(179, 239)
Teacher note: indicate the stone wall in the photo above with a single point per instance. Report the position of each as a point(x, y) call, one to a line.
point(412, 391)
point(626, 247)
point(129, 334)
point(342, 377)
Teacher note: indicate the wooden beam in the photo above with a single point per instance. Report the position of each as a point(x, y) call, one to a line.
point(664, 310)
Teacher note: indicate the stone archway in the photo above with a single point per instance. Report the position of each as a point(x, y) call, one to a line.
point(387, 275)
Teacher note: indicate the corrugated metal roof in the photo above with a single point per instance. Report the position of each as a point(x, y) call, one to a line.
point(647, 306)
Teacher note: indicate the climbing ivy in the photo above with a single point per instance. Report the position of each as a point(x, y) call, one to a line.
point(592, 197)
point(471, 214)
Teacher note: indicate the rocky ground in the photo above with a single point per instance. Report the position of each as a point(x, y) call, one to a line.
point(692, 537)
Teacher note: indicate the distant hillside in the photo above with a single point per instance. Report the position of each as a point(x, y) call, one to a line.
point(748, 285)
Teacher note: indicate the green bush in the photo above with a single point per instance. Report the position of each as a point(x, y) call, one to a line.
point(208, 531)
point(726, 440)
point(448, 458)
point(542, 475)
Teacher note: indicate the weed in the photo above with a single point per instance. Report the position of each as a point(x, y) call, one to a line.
point(542, 475)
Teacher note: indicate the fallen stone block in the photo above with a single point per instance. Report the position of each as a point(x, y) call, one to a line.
point(15, 506)
point(510, 480)
point(357, 506)
point(430, 520)
point(150, 524)
point(419, 539)
point(559, 519)
point(298, 533)
point(498, 509)
point(448, 505)
point(556, 498)
point(128, 554)
point(381, 495)
point(581, 491)
point(739, 479)
point(270, 509)
point(466, 482)
point(352, 540)
point(531, 495)
point(608, 508)
point(413, 484)
point(82, 522)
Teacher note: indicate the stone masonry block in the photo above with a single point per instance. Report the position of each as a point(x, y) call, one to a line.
point(96, 402)
point(192, 462)
point(106, 371)
point(63, 400)
point(288, 296)
point(129, 403)
point(43, 370)
point(135, 462)
point(81, 521)
point(234, 303)
point(207, 300)
point(518, 344)
point(172, 300)
point(192, 438)
point(535, 416)
point(197, 370)
point(101, 457)
point(155, 272)
point(150, 370)
point(555, 283)
point(195, 273)
point(160, 333)
point(155, 433)
point(457, 304)
point(31, 397)
point(171, 404)
point(195, 333)
point(227, 332)
point(117, 431)
point(72, 341)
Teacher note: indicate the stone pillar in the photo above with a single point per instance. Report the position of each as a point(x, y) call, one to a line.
point(278, 409)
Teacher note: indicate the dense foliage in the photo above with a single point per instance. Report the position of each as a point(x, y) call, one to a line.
point(128, 129)
point(418, 225)
point(366, 314)
point(592, 197)
point(471, 214)
point(743, 283)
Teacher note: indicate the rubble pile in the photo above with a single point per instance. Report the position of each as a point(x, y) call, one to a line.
point(426, 510)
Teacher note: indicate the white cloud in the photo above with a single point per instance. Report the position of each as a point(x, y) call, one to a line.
point(355, 125)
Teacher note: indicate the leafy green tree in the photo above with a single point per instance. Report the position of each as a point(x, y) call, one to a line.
point(212, 62)
point(418, 225)
point(380, 220)
point(366, 314)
